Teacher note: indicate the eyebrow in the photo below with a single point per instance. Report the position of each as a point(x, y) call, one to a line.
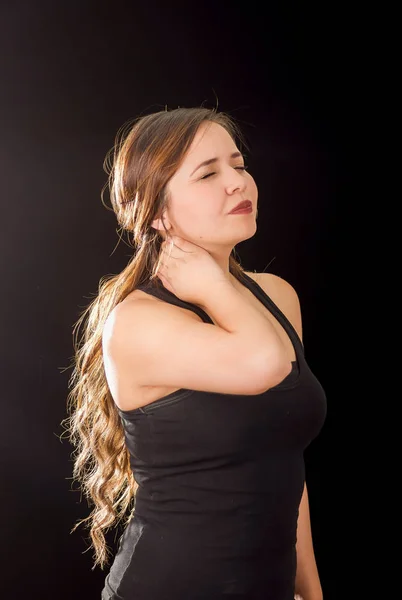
point(212, 160)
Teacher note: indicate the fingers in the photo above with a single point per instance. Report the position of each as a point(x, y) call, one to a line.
point(177, 242)
point(167, 252)
point(169, 245)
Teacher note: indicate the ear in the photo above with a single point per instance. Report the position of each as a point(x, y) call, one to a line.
point(162, 223)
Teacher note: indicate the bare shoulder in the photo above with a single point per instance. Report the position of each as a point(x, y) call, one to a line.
point(143, 312)
point(283, 294)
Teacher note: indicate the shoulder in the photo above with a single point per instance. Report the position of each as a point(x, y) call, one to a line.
point(144, 315)
point(275, 286)
point(127, 316)
point(283, 294)
point(135, 310)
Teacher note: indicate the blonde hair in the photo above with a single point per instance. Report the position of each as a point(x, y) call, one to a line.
point(146, 154)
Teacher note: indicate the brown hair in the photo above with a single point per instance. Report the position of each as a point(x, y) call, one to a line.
point(146, 155)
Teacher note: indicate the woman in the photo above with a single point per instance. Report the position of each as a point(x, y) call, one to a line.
point(191, 400)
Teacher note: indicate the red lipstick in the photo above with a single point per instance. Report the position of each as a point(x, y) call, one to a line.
point(244, 207)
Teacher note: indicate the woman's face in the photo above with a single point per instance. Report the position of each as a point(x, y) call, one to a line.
point(201, 196)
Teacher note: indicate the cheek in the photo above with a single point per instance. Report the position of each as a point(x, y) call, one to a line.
point(200, 205)
point(189, 213)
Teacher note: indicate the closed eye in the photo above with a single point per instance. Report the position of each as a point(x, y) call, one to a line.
point(242, 168)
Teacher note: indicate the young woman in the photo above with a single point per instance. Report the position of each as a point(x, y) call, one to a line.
point(191, 400)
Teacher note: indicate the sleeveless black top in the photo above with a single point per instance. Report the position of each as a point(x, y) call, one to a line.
point(220, 481)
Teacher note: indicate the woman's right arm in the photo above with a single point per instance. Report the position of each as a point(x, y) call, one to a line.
point(164, 346)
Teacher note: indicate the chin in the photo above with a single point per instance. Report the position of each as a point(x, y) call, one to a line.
point(248, 233)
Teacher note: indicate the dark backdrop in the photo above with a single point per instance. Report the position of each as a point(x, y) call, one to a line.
point(71, 74)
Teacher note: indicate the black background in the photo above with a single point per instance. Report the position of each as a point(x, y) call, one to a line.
point(71, 74)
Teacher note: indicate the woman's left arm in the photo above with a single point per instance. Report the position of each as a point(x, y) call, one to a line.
point(308, 584)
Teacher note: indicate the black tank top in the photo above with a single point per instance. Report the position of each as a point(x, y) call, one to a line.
point(220, 481)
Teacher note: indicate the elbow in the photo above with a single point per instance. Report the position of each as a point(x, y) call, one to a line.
point(272, 370)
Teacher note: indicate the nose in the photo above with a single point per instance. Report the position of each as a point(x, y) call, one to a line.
point(236, 182)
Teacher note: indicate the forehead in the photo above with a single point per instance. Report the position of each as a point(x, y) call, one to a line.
point(210, 137)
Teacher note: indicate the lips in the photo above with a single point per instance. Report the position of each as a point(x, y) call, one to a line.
point(241, 205)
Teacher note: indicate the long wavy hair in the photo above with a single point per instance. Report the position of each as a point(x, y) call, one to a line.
point(146, 154)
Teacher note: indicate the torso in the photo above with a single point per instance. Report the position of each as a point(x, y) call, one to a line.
point(144, 394)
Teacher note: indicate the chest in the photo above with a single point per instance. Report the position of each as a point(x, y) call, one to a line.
point(284, 418)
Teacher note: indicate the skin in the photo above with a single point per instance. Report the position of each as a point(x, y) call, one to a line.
point(199, 202)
